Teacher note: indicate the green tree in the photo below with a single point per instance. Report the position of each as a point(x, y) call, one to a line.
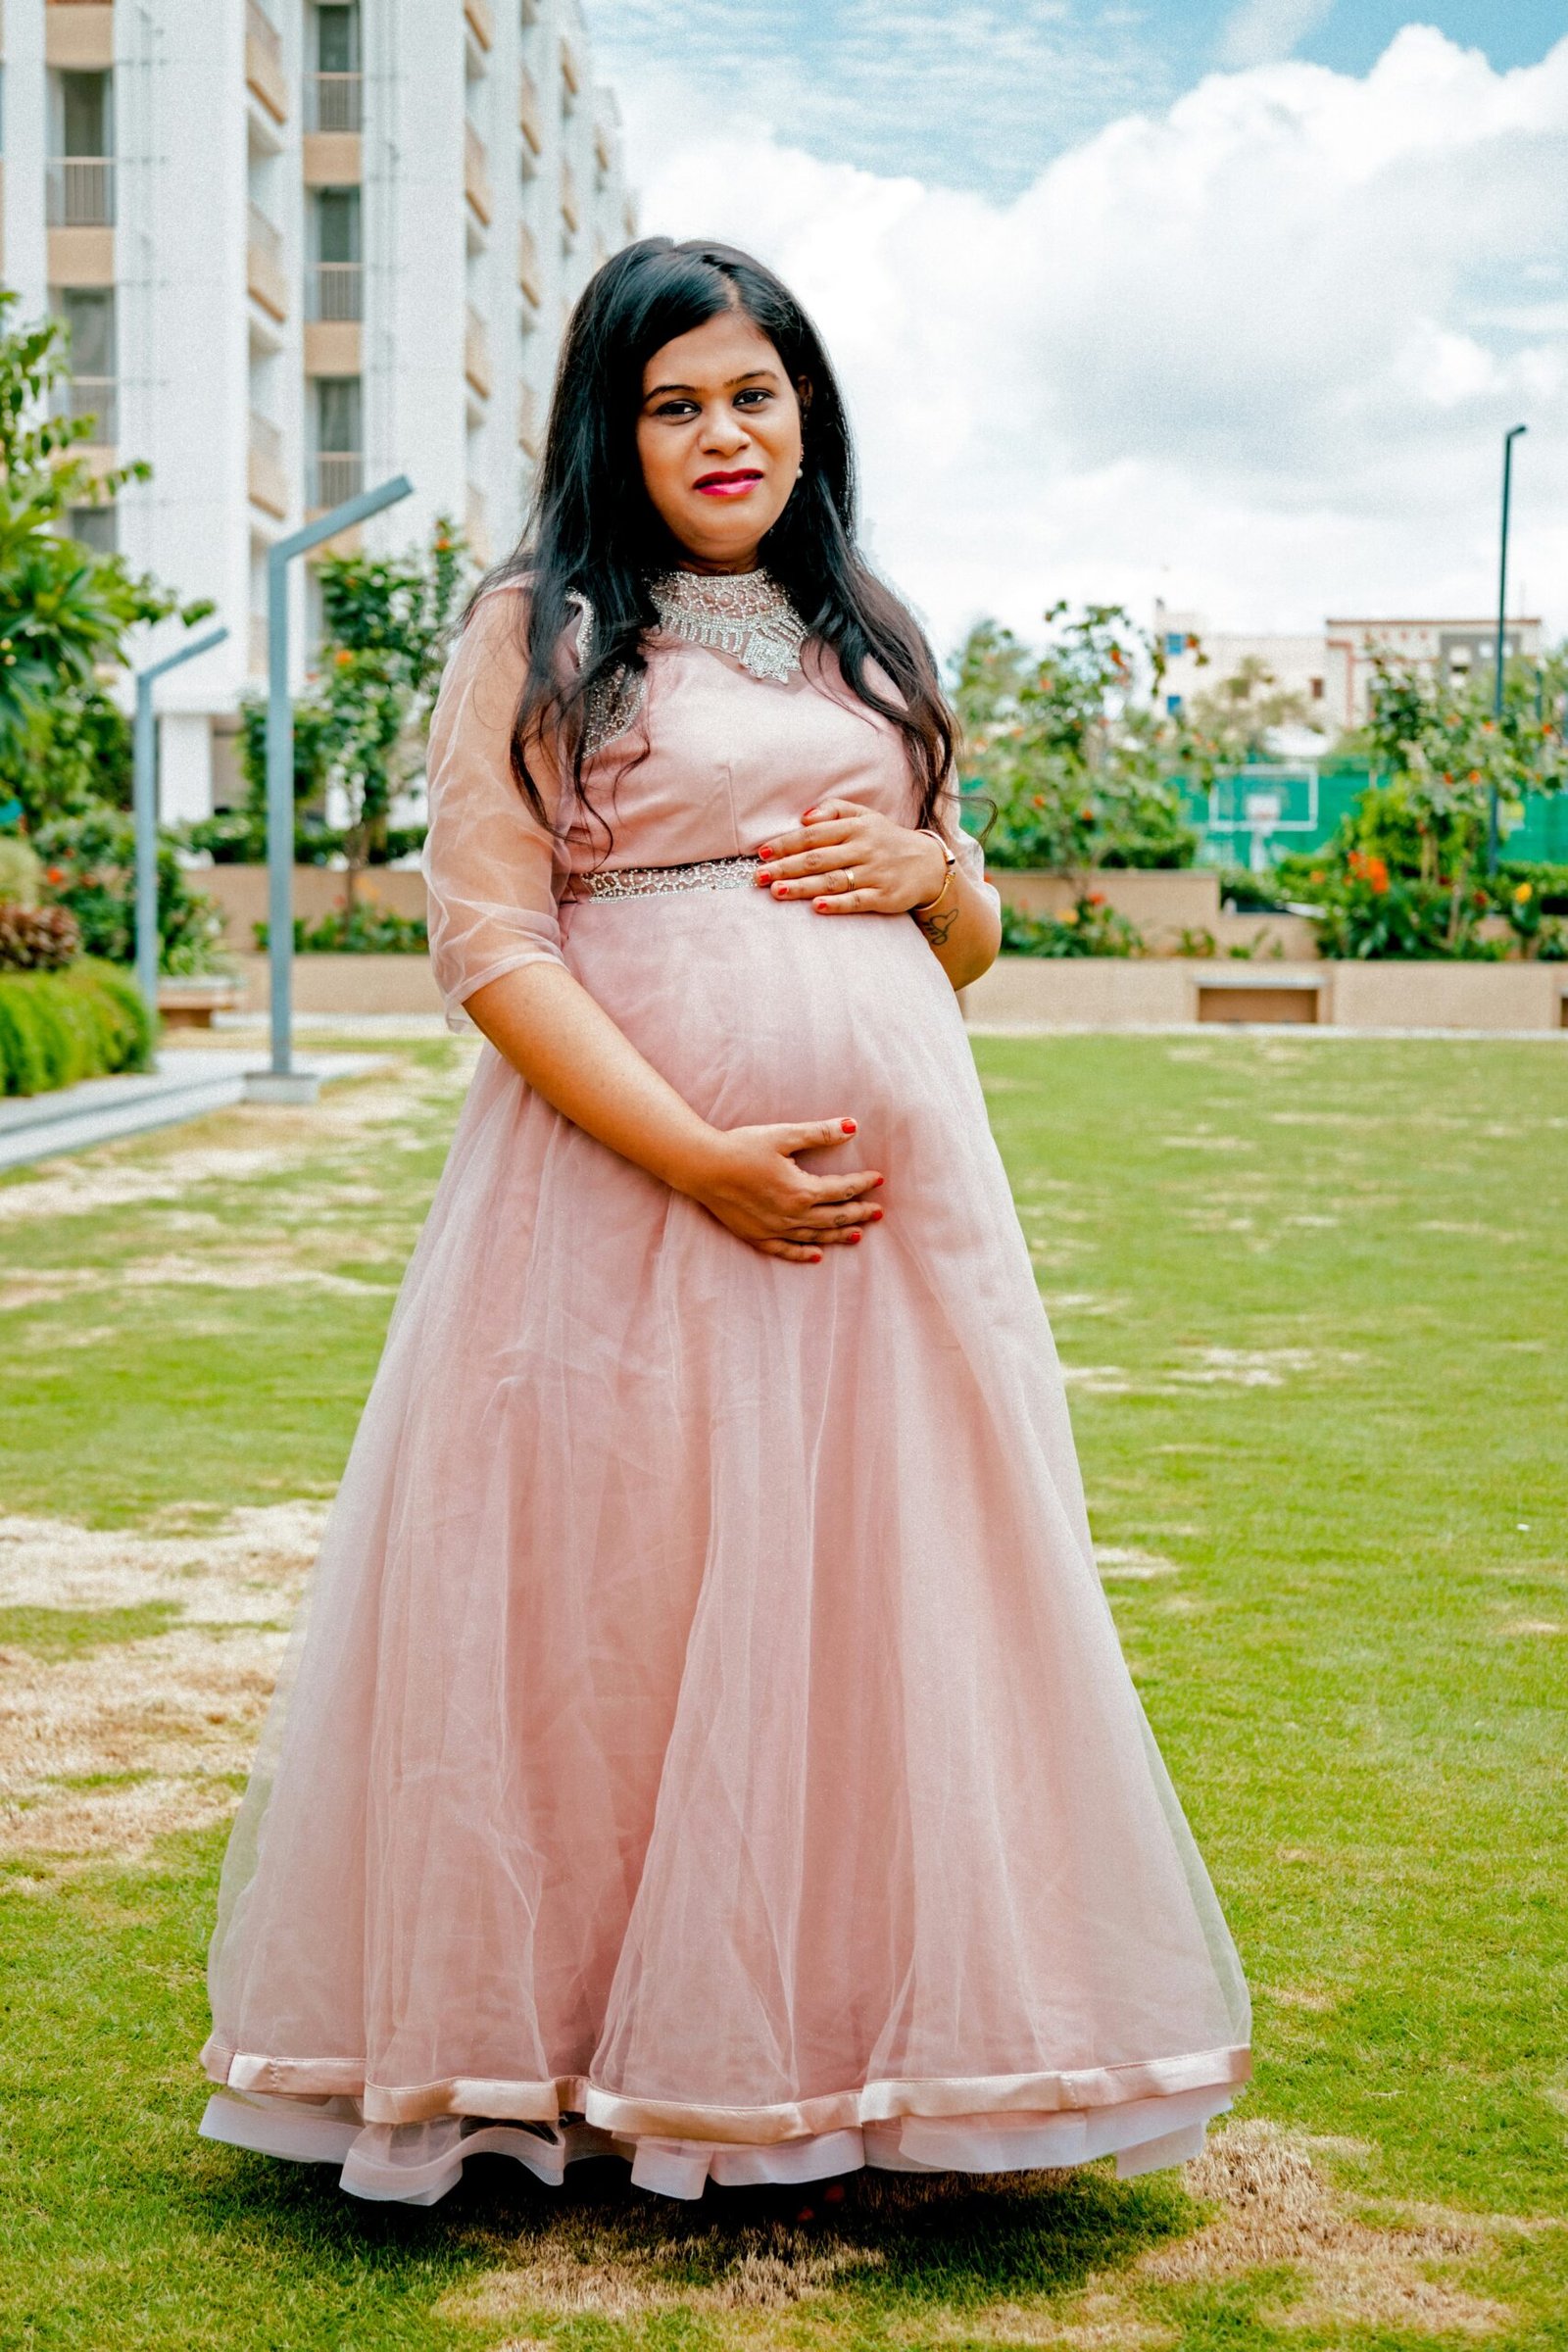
point(1231, 721)
point(66, 610)
point(363, 720)
point(1070, 747)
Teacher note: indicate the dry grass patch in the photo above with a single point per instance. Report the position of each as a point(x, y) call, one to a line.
point(105, 1749)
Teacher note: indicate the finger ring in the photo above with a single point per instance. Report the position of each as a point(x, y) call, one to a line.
point(848, 876)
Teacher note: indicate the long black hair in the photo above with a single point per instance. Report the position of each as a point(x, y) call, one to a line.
point(593, 530)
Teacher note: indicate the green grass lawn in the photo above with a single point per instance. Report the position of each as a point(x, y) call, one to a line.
point(1310, 1294)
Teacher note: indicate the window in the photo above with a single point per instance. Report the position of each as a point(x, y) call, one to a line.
point(97, 527)
point(85, 114)
point(1317, 690)
point(338, 428)
point(1173, 703)
point(88, 314)
point(1175, 644)
point(337, 224)
point(337, 38)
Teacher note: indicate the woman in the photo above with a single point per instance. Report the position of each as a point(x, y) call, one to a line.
point(707, 1739)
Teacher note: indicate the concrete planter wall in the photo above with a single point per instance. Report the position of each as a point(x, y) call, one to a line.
point(1162, 906)
point(240, 890)
point(1028, 993)
point(347, 984)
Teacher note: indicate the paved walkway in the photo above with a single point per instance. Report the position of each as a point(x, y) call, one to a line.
point(188, 1083)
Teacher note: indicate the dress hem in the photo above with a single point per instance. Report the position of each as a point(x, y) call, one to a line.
point(545, 2102)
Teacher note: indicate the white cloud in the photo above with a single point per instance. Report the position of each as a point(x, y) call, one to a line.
point(1255, 354)
point(1260, 32)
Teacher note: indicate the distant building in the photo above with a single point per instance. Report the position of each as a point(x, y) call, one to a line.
point(301, 247)
point(1331, 668)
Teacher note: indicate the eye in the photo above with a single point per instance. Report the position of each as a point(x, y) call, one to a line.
point(759, 393)
point(675, 407)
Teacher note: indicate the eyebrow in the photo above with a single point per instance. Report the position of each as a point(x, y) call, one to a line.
point(750, 378)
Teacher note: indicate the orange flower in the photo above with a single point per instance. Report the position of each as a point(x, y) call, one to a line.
point(1523, 894)
point(343, 657)
point(1096, 898)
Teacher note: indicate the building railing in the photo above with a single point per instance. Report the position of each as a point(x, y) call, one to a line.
point(95, 396)
point(81, 191)
point(570, 209)
point(477, 350)
point(334, 102)
point(336, 474)
point(267, 237)
point(334, 291)
point(481, 22)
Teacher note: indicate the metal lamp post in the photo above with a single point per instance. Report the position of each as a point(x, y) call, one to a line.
point(144, 810)
point(1493, 832)
point(282, 1082)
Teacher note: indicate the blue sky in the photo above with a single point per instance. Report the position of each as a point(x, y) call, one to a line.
point(981, 94)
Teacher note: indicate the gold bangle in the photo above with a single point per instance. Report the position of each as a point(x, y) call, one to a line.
point(931, 904)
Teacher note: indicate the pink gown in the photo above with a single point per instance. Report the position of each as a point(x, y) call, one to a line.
point(704, 1738)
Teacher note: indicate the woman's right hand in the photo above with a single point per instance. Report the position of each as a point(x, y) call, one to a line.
point(749, 1179)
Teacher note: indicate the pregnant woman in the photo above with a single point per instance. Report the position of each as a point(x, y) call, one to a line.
point(706, 1739)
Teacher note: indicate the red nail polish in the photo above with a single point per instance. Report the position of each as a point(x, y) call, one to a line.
point(876, 1217)
point(764, 853)
point(780, 890)
point(816, 1257)
point(854, 1237)
point(876, 1179)
point(848, 1126)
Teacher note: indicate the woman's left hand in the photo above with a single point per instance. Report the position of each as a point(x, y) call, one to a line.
point(851, 861)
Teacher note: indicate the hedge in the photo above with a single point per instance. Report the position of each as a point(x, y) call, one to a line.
point(57, 1028)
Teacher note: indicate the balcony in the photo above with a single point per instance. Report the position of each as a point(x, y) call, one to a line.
point(336, 475)
point(334, 102)
point(528, 278)
point(570, 208)
point(530, 118)
point(266, 276)
point(570, 76)
point(481, 24)
point(476, 173)
point(79, 39)
point(604, 153)
point(81, 191)
point(268, 476)
point(256, 641)
point(264, 61)
point(528, 434)
point(96, 396)
point(476, 353)
point(335, 292)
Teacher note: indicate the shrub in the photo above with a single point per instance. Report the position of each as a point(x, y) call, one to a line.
point(21, 872)
point(37, 939)
point(362, 929)
point(90, 866)
point(57, 1028)
point(1088, 928)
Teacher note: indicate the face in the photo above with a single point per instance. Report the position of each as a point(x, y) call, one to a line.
point(719, 438)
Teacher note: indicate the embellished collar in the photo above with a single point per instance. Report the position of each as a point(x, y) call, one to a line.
point(743, 613)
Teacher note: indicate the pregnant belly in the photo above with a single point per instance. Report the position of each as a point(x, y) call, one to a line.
point(757, 1011)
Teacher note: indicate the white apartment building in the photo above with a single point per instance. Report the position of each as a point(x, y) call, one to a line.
point(302, 245)
point(1331, 668)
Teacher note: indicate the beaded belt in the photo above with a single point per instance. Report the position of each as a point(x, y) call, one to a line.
point(644, 881)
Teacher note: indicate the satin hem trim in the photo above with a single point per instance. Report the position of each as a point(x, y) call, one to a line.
point(614, 2111)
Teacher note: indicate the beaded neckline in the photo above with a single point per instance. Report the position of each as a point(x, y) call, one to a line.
point(745, 614)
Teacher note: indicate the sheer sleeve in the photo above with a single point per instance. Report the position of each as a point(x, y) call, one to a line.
point(489, 864)
point(971, 856)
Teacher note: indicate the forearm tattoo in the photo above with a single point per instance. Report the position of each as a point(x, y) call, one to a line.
point(937, 927)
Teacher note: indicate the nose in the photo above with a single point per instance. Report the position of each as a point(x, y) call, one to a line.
point(724, 433)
